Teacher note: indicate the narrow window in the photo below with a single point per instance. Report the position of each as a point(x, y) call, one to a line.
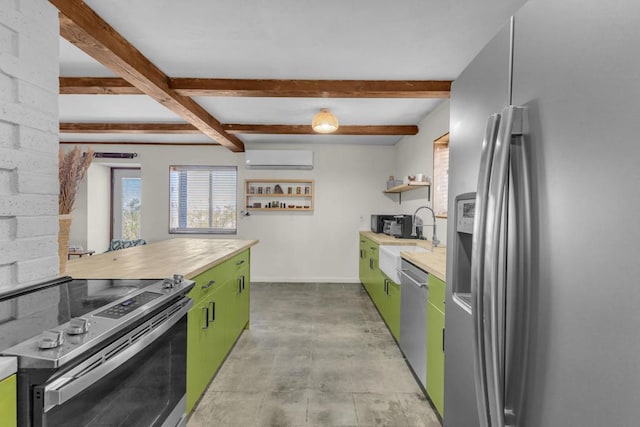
point(202, 199)
point(126, 195)
point(441, 175)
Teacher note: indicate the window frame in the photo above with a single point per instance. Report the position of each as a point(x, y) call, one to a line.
point(112, 185)
point(204, 230)
point(440, 141)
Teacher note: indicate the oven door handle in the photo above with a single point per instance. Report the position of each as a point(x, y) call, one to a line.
point(85, 375)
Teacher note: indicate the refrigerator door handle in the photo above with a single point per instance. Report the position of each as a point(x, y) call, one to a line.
point(511, 125)
point(477, 268)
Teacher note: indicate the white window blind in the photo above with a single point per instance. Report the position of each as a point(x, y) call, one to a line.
point(202, 199)
point(440, 178)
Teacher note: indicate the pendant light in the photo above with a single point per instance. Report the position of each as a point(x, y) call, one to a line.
point(324, 122)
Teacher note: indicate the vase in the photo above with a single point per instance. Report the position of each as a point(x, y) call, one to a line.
point(63, 239)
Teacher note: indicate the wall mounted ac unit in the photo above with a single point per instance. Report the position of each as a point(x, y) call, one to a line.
point(279, 159)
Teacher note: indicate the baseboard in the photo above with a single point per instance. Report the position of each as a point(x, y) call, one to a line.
point(304, 279)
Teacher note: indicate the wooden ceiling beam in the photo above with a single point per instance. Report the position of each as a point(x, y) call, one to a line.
point(312, 88)
point(232, 129)
point(268, 88)
point(183, 144)
point(133, 128)
point(97, 86)
point(370, 130)
point(81, 26)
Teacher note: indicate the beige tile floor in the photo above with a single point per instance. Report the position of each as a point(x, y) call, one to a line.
point(315, 355)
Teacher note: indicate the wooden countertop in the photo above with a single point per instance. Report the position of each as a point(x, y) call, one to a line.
point(8, 366)
point(185, 256)
point(433, 262)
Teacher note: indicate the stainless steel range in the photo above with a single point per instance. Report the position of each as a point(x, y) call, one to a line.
point(99, 352)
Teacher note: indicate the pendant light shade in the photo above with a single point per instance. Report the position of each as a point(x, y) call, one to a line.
point(324, 122)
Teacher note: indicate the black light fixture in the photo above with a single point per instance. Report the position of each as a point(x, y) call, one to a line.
point(102, 155)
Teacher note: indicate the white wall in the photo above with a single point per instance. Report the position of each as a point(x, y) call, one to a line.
point(318, 246)
point(28, 142)
point(98, 207)
point(414, 154)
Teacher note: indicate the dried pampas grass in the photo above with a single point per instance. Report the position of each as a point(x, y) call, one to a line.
point(72, 168)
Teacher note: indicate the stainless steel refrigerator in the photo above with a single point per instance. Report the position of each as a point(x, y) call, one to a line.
point(543, 299)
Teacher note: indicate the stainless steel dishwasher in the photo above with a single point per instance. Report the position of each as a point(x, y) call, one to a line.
point(413, 318)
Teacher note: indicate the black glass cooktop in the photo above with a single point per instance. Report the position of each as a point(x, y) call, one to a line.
point(27, 312)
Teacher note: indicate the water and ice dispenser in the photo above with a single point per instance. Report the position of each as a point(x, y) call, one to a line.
point(464, 215)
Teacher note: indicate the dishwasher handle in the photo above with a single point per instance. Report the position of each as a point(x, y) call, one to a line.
point(414, 281)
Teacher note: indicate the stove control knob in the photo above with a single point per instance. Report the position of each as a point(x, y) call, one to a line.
point(168, 284)
point(51, 339)
point(78, 326)
point(178, 278)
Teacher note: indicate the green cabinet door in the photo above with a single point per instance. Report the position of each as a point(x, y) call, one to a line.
point(228, 315)
point(393, 308)
point(363, 261)
point(216, 330)
point(435, 356)
point(372, 275)
point(205, 343)
point(244, 305)
point(242, 274)
point(8, 402)
point(197, 347)
point(240, 299)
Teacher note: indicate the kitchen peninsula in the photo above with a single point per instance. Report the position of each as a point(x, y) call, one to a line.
point(189, 257)
point(220, 312)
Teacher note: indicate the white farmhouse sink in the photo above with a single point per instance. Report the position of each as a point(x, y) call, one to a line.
point(390, 259)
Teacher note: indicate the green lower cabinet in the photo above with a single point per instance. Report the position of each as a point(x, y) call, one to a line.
point(197, 352)
point(239, 294)
point(244, 304)
point(393, 309)
point(386, 297)
point(370, 274)
point(218, 316)
point(8, 402)
point(435, 356)
point(363, 261)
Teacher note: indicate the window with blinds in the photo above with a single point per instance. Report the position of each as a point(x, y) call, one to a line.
point(202, 199)
point(441, 175)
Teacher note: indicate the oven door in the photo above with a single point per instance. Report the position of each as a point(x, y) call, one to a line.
point(138, 380)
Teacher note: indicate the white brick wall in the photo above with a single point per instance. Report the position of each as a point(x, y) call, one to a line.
point(28, 142)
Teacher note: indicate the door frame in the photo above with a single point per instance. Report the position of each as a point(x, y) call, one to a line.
point(111, 203)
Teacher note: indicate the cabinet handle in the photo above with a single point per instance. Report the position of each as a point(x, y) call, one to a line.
point(243, 283)
point(443, 340)
point(208, 285)
point(372, 248)
point(205, 312)
point(212, 312)
point(371, 263)
point(361, 253)
point(240, 262)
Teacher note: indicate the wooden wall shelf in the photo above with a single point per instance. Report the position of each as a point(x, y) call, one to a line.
point(297, 195)
point(412, 185)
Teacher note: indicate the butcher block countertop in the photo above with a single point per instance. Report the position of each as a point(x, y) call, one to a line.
point(434, 262)
point(185, 256)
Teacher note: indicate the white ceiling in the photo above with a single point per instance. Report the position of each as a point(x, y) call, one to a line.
point(279, 39)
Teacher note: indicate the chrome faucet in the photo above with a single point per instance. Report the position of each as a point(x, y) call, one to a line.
point(418, 233)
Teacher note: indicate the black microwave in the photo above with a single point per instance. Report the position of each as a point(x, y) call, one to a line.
point(377, 222)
